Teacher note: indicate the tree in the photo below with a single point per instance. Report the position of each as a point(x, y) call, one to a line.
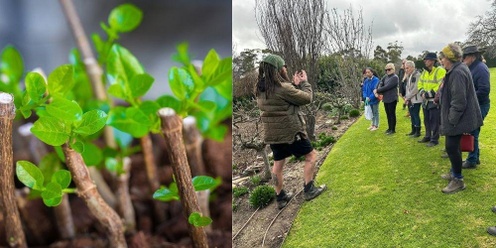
point(380, 54)
point(244, 63)
point(483, 31)
point(351, 40)
point(394, 52)
point(293, 29)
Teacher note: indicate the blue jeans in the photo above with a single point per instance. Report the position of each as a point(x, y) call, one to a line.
point(375, 112)
point(414, 110)
point(473, 157)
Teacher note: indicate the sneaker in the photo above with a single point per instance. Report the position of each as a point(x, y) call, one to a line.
point(431, 144)
point(282, 201)
point(493, 209)
point(454, 186)
point(424, 140)
point(374, 128)
point(447, 176)
point(314, 191)
point(469, 165)
point(370, 127)
point(390, 132)
point(492, 230)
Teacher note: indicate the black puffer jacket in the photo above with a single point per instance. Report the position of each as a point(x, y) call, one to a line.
point(460, 112)
point(388, 87)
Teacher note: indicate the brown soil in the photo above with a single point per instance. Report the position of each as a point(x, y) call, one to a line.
point(253, 231)
point(41, 230)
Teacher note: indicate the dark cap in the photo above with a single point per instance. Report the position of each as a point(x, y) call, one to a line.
point(470, 49)
point(274, 60)
point(430, 56)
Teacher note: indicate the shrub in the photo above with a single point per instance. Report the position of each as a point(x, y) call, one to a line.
point(262, 196)
point(334, 128)
point(354, 113)
point(347, 108)
point(344, 117)
point(239, 191)
point(234, 207)
point(256, 180)
point(327, 107)
point(323, 141)
point(295, 159)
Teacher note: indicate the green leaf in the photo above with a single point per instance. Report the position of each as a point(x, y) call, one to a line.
point(222, 73)
point(181, 83)
point(116, 90)
point(60, 153)
point(77, 146)
point(114, 165)
point(217, 133)
point(122, 63)
point(51, 130)
point(49, 164)
point(165, 195)
point(64, 109)
point(30, 175)
point(11, 64)
point(170, 102)
point(92, 121)
point(210, 63)
point(203, 183)
point(61, 80)
point(92, 154)
point(35, 86)
point(125, 18)
point(62, 177)
point(130, 120)
point(182, 55)
point(197, 220)
point(52, 195)
point(140, 84)
point(98, 42)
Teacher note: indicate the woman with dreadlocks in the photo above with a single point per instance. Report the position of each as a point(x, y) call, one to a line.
point(279, 101)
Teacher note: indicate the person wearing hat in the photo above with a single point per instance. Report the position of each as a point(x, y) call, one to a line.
point(428, 85)
point(480, 76)
point(460, 112)
point(284, 128)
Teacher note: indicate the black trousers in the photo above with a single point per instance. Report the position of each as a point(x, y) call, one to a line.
point(391, 115)
point(431, 122)
point(454, 153)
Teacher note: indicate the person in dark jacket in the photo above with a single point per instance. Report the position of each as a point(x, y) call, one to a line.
point(480, 76)
point(460, 112)
point(402, 84)
point(389, 89)
point(284, 128)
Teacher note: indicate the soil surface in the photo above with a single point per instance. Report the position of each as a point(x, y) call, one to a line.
point(269, 226)
point(41, 229)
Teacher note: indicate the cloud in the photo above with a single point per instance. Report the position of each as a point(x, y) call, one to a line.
point(416, 24)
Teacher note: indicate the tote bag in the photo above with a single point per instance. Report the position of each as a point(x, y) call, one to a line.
point(368, 112)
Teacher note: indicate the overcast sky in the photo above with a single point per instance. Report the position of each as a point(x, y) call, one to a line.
point(418, 25)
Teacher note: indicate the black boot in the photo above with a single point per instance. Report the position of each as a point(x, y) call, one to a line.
point(310, 191)
point(417, 132)
point(412, 132)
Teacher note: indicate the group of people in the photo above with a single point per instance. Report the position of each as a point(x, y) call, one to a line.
point(452, 90)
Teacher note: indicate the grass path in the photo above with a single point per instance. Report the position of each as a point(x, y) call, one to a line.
point(385, 191)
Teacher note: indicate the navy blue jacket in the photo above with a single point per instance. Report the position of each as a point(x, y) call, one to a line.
point(480, 76)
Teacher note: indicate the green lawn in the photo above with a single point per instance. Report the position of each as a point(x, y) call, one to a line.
point(385, 191)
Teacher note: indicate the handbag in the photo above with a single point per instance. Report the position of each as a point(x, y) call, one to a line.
point(467, 143)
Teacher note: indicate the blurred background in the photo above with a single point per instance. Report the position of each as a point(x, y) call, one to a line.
point(39, 30)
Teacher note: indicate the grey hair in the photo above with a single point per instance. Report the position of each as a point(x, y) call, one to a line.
point(410, 63)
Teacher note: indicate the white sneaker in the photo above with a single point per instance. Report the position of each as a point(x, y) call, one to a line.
point(370, 127)
point(374, 129)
